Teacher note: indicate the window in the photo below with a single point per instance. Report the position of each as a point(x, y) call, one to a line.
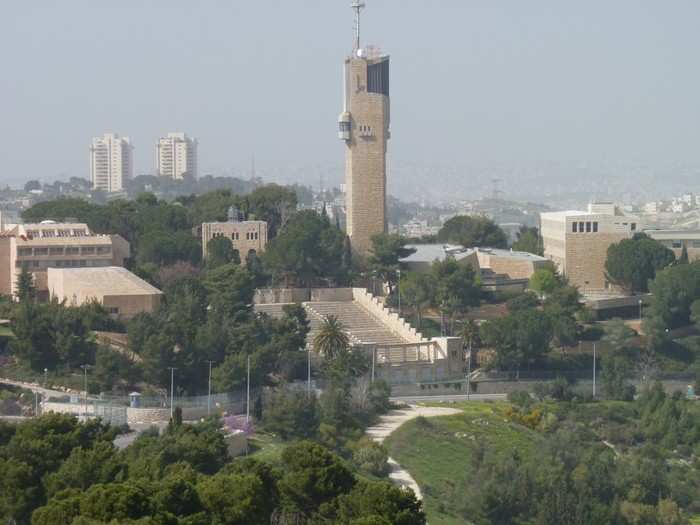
point(580, 226)
point(24, 252)
point(72, 250)
point(88, 250)
point(696, 244)
point(677, 244)
point(104, 249)
point(595, 227)
point(56, 251)
point(633, 226)
point(574, 227)
point(41, 251)
point(588, 227)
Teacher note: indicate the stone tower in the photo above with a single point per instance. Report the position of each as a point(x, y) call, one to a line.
point(364, 126)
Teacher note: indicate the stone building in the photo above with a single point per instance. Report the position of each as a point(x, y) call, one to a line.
point(38, 247)
point(246, 236)
point(122, 293)
point(675, 240)
point(577, 241)
point(364, 127)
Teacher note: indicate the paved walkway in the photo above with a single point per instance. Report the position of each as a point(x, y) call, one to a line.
point(34, 387)
point(392, 421)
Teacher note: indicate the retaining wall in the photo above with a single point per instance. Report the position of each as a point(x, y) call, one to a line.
point(376, 307)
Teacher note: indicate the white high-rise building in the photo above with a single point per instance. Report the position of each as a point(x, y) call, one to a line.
point(176, 156)
point(111, 162)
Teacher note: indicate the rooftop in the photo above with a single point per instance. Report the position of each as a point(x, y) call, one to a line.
point(432, 252)
point(108, 280)
point(512, 254)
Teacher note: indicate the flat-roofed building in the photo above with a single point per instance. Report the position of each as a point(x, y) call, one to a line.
point(512, 264)
point(577, 241)
point(426, 254)
point(245, 236)
point(38, 247)
point(677, 239)
point(121, 292)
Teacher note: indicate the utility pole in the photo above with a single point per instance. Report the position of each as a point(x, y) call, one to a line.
point(209, 391)
point(640, 312)
point(374, 361)
point(247, 396)
point(172, 389)
point(594, 364)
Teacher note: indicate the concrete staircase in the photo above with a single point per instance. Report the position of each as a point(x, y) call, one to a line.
point(362, 326)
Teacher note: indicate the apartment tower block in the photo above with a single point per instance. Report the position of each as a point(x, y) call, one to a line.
point(111, 162)
point(364, 127)
point(176, 156)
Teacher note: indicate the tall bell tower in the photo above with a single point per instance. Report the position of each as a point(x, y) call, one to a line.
point(364, 127)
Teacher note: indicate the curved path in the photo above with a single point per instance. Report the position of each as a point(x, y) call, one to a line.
point(393, 420)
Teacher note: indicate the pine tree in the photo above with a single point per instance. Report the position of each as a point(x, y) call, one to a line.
point(26, 291)
point(683, 259)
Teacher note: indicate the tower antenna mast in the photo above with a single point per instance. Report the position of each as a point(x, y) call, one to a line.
point(357, 6)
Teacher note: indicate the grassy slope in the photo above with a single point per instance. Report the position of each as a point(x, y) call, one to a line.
point(6, 331)
point(437, 451)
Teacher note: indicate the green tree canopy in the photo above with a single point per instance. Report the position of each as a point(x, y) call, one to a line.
point(220, 251)
point(632, 263)
point(473, 232)
point(529, 240)
point(307, 249)
point(386, 252)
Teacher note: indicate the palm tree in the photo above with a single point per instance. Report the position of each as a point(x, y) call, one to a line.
point(331, 339)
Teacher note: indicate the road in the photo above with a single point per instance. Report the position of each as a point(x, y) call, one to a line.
point(34, 387)
point(388, 423)
point(448, 398)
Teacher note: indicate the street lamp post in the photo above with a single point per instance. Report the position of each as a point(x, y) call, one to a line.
point(308, 371)
point(398, 288)
point(172, 389)
point(640, 310)
point(469, 369)
point(85, 369)
point(594, 371)
point(209, 392)
point(247, 395)
point(46, 377)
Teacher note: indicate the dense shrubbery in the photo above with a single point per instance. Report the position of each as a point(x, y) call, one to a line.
point(55, 471)
point(619, 463)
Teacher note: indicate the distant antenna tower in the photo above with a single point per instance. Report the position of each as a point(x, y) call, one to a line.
point(496, 188)
point(357, 6)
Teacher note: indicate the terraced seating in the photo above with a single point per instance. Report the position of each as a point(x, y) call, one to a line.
point(360, 324)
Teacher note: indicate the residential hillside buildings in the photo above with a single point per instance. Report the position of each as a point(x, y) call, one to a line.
point(111, 162)
point(577, 241)
point(38, 247)
point(176, 156)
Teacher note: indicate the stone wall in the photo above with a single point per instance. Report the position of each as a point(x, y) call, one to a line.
point(585, 258)
point(301, 295)
point(281, 295)
point(395, 323)
point(331, 294)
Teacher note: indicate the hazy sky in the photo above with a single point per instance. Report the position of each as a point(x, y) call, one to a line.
point(473, 82)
